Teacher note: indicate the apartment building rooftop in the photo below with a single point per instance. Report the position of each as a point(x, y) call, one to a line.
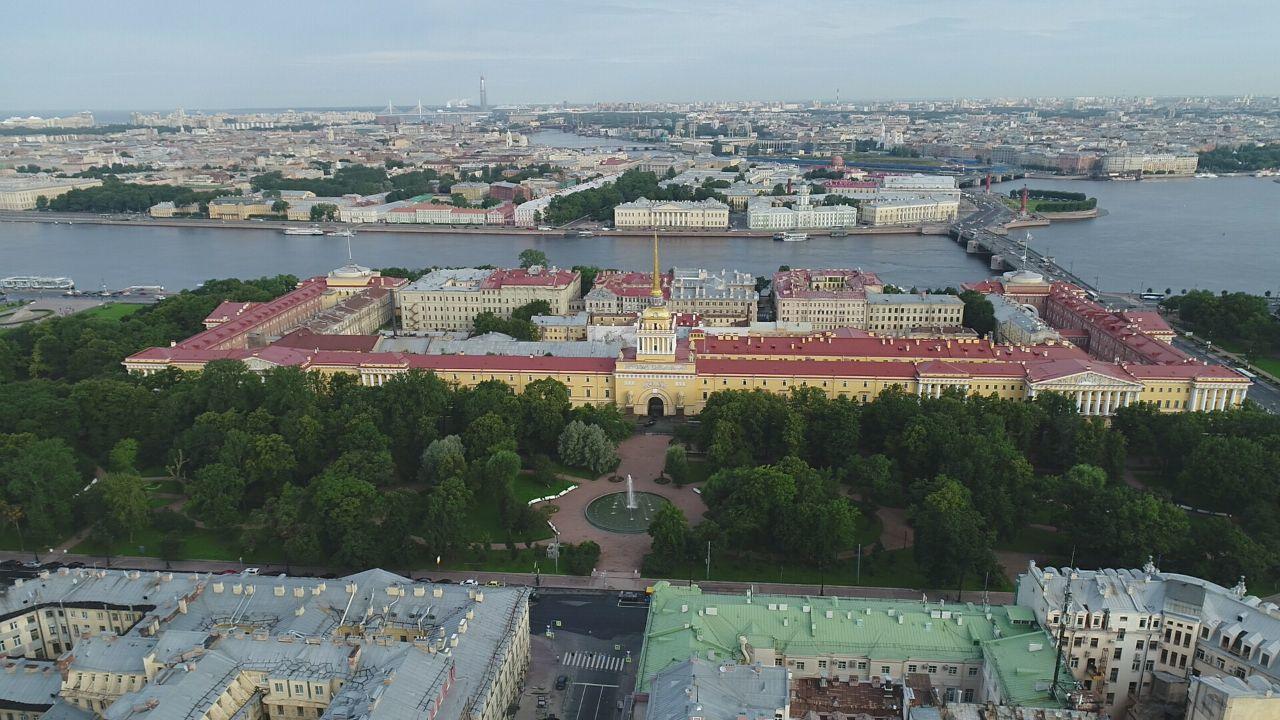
point(397, 647)
point(717, 691)
point(685, 622)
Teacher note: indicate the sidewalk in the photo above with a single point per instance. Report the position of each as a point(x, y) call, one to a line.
point(598, 583)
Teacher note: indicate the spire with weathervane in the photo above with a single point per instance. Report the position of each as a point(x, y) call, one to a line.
point(656, 335)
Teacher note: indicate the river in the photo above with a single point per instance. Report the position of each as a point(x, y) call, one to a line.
point(1214, 234)
point(1206, 233)
point(119, 256)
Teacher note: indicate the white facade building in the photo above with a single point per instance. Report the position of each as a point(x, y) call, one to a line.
point(908, 211)
point(762, 215)
point(643, 213)
point(1120, 627)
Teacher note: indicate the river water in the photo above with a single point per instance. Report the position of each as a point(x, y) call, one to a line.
point(1205, 233)
point(1209, 233)
point(119, 256)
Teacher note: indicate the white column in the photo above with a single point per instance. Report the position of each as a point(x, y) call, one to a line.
point(1195, 399)
point(1106, 402)
point(1222, 399)
point(1235, 397)
point(1080, 401)
point(1091, 402)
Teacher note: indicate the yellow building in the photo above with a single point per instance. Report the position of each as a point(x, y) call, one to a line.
point(450, 299)
point(665, 373)
point(238, 208)
point(24, 193)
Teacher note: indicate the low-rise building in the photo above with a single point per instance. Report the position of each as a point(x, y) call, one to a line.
point(24, 193)
point(472, 192)
point(909, 211)
point(762, 214)
point(890, 314)
point(827, 299)
point(727, 298)
point(235, 207)
point(1132, 163)
point(643, 213)
point(450, 299)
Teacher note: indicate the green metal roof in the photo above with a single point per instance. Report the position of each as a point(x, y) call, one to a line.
point(1024, 665)
point(685, 622)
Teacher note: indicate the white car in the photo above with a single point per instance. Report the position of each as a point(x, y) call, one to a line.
point(469, 581)
point(249, 571)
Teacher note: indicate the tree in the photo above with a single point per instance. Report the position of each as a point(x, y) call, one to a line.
point(446, 514)
point(488, 434)
point(677, 464)
point(670, 532)
point(14, 515)
point(323, 212)
point(42, 202)
point(124, 456)
point(979, 313)
point(545, 409)
point(580, 559)
point(349, 511)
point(124, 498)
point(443, 459)
point(952, 538)
point(279, 207)
point(530, 257)
point(586, 446)
point(216, 492)
point(171, 546)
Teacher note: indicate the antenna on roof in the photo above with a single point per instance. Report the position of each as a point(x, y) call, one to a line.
point(1062, 634)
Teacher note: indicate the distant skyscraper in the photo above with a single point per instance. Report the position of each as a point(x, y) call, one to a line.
point(484, 96)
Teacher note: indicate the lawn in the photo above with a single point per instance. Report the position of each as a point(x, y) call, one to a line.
point(501, 561)
point(112, 311)
point(1270, 365)
point(1036, 540)
point(893, 568)
point(699, 471)
point(561, 469)
point(483, 521)
point(198, 544)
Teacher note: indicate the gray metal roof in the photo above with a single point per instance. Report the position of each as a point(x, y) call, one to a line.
point(714, 691)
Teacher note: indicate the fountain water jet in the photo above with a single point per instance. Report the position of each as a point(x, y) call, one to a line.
point(631, 494)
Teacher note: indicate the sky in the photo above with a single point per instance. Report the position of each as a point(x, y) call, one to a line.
point(145, 54)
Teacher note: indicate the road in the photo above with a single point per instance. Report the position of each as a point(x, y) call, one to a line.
point(596, 640)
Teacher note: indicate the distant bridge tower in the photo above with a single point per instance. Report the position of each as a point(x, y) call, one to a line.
point(988, 189)
point(1024, 200)
point(484, 96)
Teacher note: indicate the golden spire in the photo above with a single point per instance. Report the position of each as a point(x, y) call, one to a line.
point(656, 292)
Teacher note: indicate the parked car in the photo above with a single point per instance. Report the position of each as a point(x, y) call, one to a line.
point(469, 581)
point(562, 682)
point(250, 571)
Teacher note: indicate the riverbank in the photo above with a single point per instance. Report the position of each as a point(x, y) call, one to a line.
point(279, 225)
point(1073, 215)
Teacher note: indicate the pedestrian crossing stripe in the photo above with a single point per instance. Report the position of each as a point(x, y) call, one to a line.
point(594, 661)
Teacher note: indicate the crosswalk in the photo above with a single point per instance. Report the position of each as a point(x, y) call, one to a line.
point(594, 661)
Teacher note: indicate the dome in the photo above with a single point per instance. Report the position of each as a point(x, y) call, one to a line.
point(1023, 277)
point(351, 270)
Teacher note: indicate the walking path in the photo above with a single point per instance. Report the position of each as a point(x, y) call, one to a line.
point(643, 457)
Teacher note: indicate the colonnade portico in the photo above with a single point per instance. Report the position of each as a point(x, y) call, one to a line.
point(1099, 402)
point(1208, 398)
point(933, 389)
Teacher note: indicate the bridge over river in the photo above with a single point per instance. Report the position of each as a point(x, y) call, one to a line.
point(987, 231)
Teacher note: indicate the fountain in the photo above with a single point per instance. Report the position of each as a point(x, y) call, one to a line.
point(625, 512)
point(631, 493)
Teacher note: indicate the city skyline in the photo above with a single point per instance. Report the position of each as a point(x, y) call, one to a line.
point(743, 52)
